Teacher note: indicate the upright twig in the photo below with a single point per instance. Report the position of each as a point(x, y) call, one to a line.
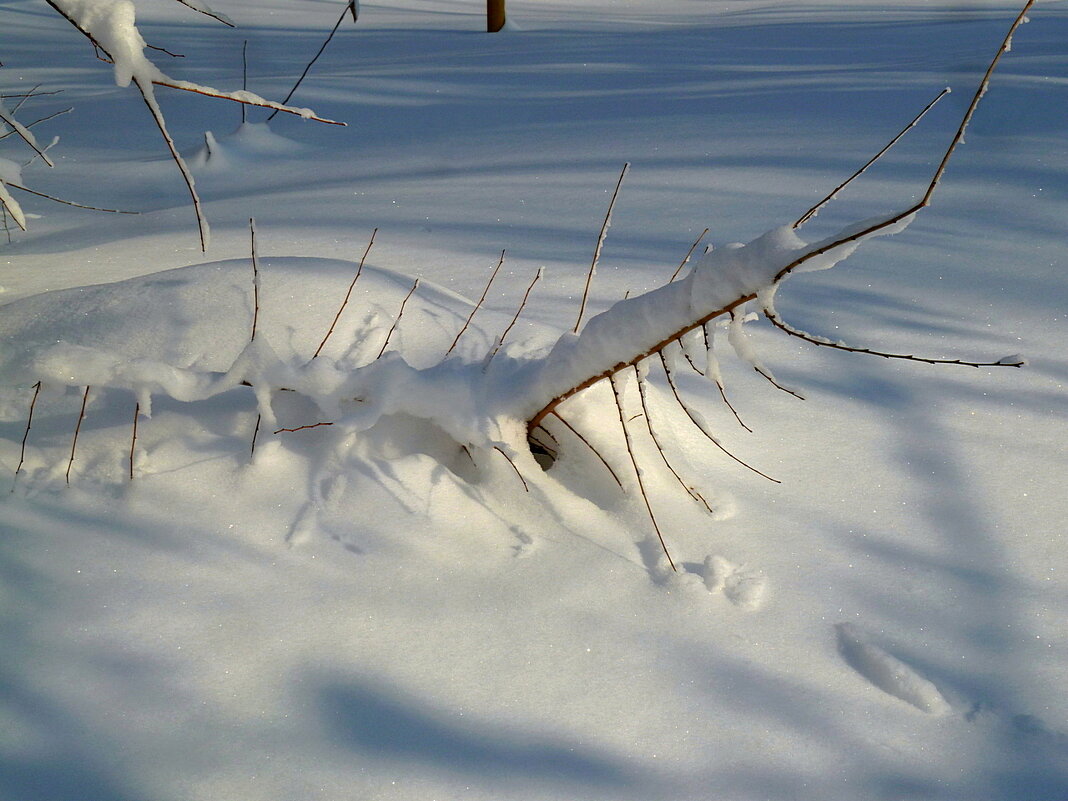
point(482, 298)
point(637, 470)
point(255, 435)
point(77, 430)
point(350, 8)
point(348, 294)
point(244, 78)
point(689, 253)
point(812, 212)
point(29, 422)
point(600, 245)
point(133, 439)
point(518, 312)
point(396, 322)
point(255, 280)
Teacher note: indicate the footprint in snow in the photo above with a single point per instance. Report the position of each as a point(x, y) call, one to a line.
point(742, 586)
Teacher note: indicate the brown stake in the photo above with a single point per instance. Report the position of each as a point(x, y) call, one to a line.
point(77, 429)
point(396, 322)
point(600, 245)
point(638, 472)
point(471, 316)
point(348, 294)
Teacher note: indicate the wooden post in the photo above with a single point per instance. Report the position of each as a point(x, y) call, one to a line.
point(494, 15)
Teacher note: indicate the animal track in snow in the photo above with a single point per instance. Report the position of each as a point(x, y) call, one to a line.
point(742, 586)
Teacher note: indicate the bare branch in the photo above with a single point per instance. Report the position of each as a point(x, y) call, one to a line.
point(812, 212)
point(302, 428)
point(133, 439)
point(1008, 361)
point(689, 253)
point(471, 316)
point(700, 423)
point(719, 381)
point(600, 244)
point(518, 312)
point(509, 458)
point(77, 430)
point(660, 448)
point(638, 472)
point(24, 134)
point(586, 442)
point(396, 322)
point(255, 280)
point(29, 422)
point(68, 202)
point(350, 7)
point(38, 122)
point(255, 435)
point(200, 8)
point(348, 294)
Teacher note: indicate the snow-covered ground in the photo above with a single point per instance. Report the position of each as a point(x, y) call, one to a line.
point(377, 615)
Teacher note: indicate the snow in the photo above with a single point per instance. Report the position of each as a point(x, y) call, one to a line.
point(381, 607)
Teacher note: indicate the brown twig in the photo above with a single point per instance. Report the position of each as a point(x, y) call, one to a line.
point(812, 212)
point(656, 441)
point(482, 298)
point(133, 439)
point(509, 458)
point(67, 202)
point(825, 343)
point(255, 280)
point(24, 134)
point(77, 429)
point(350, 7)
point(701, 425)
point(255, 434)
point(638, 472)
point(207, 12)
point(586, 442)
point(29, 422)
point(38, 122)
point(244, 78)
point(301, 428)
point(165, 51)
point(396, 322)
point(518, 312)
point(345, 302)
point(806, 257)
point(600, 244)
point(689, 253)
point(709, 340)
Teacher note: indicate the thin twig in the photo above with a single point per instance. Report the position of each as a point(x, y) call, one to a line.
point(806, 257)
point(482, 298)
point(825, 343)
point(255, 434)
point(518, 312)
point(656, 441)
point(165, 51)
point(719, 381)
point(133, 439)
point(255, 280)
point(301, 428)
point(689, 253)
point(77, 429)
point(509, 458)
point(67, 202)
point(396, 322)
point(244, 78)
point(638, 472)
point(701, 425)
point(345, 302)
point(586, 442)
point(207, 12)
point(350, 7)
point(24, 134)
point(812, 212)
point(600, 244)
point(29, 422)
point(28, 125)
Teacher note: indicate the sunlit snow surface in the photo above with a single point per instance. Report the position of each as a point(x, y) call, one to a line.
point(365, 610)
